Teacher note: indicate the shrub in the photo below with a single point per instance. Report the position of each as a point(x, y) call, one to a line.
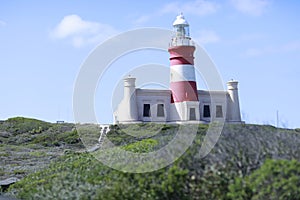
point(143, 146)
point(50, 139)
point(19, 125)
point(236, 161)
point(276, 179)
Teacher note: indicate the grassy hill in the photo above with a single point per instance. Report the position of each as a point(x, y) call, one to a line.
point(248, 162)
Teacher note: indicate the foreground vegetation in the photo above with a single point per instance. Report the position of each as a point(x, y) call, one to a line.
point(248, 162)
point(27, 145)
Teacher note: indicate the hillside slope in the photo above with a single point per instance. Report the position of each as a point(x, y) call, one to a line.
point(243, 152)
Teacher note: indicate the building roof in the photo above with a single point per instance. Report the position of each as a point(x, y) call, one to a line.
point(180, 20)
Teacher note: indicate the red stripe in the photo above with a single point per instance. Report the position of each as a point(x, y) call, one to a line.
point(183, 91)
point(181, 55)
point(180, 61)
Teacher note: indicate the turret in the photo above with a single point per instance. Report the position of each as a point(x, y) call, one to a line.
point(128, 107)
point(233, 106)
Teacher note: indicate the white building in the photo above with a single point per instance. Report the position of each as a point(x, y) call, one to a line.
point(183, 102)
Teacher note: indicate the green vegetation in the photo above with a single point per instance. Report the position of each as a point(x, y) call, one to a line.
point(19, 171)
point(19, 125)
point(25, 131)
point(125, 134)
point(144, 146)
point(27, 145)
point(248, 162)
point(4, 154)
point(275, 179)
point(37, 153)
point(2, 172)
point(53, 138)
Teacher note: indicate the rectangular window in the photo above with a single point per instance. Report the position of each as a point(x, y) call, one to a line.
point(192, 114)
point(146, 111)
point(206, 111)
point(219, 111)
point(160, 110)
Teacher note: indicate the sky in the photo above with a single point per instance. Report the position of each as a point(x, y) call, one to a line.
point(44, 43)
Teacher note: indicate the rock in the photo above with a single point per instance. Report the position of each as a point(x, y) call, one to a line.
point(5, 134)
point(2, 197)
point(8, 181)
point(4, 184)
point(94, 148)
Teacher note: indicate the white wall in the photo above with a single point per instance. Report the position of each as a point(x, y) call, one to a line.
point(153, 97)
point(180, 111)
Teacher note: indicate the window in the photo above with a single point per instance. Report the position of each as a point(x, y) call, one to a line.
point(219, 111)
point(160, 110)
point(146, 111)
point(206, 111)
point(192, 114)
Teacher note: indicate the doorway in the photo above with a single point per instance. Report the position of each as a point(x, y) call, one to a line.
point(192, 114)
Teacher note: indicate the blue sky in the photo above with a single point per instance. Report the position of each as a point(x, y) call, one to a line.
point(44, 43)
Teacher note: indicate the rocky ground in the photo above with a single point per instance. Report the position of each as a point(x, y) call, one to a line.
point(18, 161)
point(27, 145)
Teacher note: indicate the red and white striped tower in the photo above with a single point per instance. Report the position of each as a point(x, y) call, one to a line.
point(184, 95)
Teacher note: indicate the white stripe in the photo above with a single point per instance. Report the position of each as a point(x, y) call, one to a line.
point(182, 73)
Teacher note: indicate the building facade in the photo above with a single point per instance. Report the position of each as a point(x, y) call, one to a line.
point(183, 102)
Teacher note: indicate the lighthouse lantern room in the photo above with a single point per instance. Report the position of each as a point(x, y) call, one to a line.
point(181, 31)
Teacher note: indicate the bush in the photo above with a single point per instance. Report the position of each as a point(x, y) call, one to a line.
point(236, 161)
point(50, 139)
point(19, 125)
point(276, 179)
point(143, 146)
point(80, 176)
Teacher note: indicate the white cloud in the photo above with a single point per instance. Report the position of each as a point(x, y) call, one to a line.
point(253, 52)
point(292, 46)
point(197, 7)
point(142, 19)
point(2, 23)
point(250, 37)
point(81, 32)
point(288, 47)
point(206, 37)
point(245, 38)
point(251, 7)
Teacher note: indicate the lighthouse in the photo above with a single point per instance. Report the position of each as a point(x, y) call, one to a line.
point(183, 85)
point(182, 102)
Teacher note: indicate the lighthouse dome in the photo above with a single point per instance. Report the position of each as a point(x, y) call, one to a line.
point(180, 20)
